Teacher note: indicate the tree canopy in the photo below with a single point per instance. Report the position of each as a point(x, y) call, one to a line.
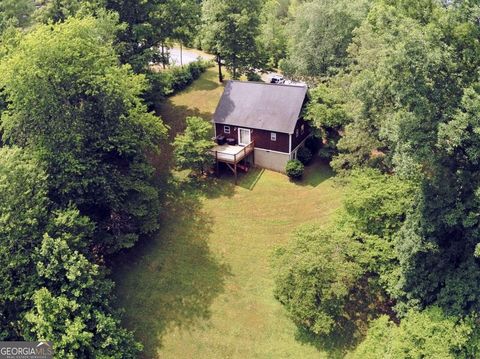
point(230, 32)
point(406, 103)
point(70, 100)
point(192, 148)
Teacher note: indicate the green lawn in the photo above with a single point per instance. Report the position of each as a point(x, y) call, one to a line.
point(203, 287)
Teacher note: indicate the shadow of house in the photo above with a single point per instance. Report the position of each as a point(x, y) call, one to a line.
point(246, 180)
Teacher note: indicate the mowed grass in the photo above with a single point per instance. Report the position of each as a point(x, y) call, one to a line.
point(203, 287)
point(199, 99)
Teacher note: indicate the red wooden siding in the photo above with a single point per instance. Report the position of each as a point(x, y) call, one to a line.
point(307, 130)
point(261, 137)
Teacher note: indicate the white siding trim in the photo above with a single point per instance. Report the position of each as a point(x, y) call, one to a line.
point(265, 150)
point(290, 143)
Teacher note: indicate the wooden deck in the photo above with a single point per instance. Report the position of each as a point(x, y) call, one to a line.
point(231, 155)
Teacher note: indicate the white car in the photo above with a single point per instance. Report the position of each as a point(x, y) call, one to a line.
point(277, 79)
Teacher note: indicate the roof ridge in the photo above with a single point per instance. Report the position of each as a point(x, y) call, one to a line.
point(266, 83)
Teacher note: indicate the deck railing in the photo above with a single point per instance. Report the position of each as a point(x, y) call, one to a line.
point(244, 152)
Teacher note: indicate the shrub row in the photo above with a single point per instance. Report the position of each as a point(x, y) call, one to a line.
point(168, 82)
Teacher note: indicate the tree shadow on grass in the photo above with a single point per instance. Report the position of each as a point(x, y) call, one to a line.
point(335, 345)
point(171, 281)
point(317, 172)
point(204, 85)
point(174, 117)
point(247, 180)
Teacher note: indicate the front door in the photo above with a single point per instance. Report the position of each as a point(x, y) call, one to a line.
point(244, 136)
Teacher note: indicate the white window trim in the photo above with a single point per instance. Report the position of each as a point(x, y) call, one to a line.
point(226, 130)
point(302, 129)
point(273, 136)
point(249, 134)
point(296, 133)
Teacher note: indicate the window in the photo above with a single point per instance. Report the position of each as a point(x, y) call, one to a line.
point(296, 132)
point(226, 130)
point(302, 129)
point(273, 136)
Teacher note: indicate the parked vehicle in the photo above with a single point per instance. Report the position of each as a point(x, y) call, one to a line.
point(277, 79)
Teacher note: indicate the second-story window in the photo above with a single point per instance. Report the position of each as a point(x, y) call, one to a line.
point(226, 130)
point(273, 136)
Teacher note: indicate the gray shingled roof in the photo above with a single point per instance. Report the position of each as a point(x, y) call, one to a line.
point(263, 106)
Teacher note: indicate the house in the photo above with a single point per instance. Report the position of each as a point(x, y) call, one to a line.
point(266, 117)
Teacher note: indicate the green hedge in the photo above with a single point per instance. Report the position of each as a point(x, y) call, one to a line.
point(294, 169)
point(168, 82)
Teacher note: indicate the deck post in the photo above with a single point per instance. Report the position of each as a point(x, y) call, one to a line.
point(217, 164)
point(235, 171)
point(235, 167)
point(253, 154)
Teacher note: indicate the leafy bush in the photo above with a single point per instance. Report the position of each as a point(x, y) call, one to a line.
point(314, 275)
point(328, 150)
point(295, 169)
point(181, 78)
point(192, 148)
point(175, 79)
point(253, 76)
point(304, 155)
point(426, 334)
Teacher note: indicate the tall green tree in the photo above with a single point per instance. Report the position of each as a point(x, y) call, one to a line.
point(60, 10)
point(273, 34)
point(428, 334)
point(16, 13)
point(413, 83)
point(49, 287)
point(230, 31)
point(319, 36)
point(150, 25)
point(330, 279)
point(71, 102)
point(192, 148)
point(24, 210)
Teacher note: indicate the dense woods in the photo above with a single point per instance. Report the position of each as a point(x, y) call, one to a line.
point(395, 101)
point(402, 103)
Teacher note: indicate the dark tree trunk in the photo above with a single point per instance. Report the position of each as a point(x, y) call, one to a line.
point(163, 56)
point(220, 75)
point(234, 67)
point(181, 55)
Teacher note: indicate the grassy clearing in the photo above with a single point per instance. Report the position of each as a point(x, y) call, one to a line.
point(199, 99)
point(203, 287)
